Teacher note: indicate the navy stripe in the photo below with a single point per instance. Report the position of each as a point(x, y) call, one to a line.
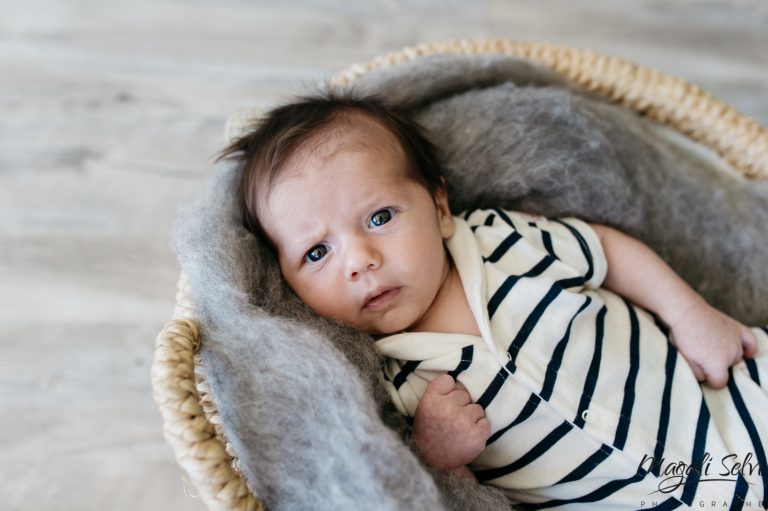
point(752, 368)
point(488, 222)
point(670, 503)
point(407, 369)
point(590, 382)
point(588, 465)
point(572, 282)
point(737, 502)
point(509, 283)
point(467, 352)
point(501, 293)
point(527, 411)
point(493, 389)
point(547, 240)
point(545, 235)
point(697, 457)
point(499, 252)
point(754, 436)
point(505, 217)
point(540, 267)
point(536, 451)
point(557, 355)
point(629, 386)
point(764, 329)
point(584, 248)
point(531, 321)
point(601, 493)
point(664, 415)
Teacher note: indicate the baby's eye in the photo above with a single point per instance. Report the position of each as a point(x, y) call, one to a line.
point(316, 253)
point(381, 217)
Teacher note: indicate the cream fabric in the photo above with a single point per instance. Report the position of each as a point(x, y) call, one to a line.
point(582, 388)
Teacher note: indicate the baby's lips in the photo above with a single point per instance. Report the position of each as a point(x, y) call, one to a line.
point(380, 297)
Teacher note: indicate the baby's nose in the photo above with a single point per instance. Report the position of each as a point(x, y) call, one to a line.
point(362, 257)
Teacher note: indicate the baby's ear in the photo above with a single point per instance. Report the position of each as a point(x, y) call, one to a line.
point(444, 216)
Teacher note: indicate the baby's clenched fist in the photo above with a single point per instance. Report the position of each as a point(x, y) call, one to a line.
point(448, 429)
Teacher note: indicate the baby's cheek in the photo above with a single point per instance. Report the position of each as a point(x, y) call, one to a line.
point(322, 301)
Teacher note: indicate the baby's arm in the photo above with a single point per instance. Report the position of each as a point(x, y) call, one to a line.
point(448, 430)
point(708, 339)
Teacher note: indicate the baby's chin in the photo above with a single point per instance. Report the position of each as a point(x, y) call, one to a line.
point(381, 327)
point(391, 327)
point(392, 322)
point(375, 331)
point(381, 332)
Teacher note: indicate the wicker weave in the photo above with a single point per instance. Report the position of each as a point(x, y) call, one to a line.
point(191, 423)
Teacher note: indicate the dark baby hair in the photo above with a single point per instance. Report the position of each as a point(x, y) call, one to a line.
point(265, 151)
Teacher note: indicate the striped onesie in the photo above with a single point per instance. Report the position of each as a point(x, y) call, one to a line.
point(591, 406)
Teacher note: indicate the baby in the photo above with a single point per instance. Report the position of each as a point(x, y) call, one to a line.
point(509, 338)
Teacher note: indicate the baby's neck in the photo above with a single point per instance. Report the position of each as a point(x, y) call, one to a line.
point(450, 311)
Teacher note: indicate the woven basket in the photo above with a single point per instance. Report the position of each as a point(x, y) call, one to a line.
point(191, 422)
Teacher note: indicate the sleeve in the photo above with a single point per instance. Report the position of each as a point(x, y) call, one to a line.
point(590, 259)
point(521, 243)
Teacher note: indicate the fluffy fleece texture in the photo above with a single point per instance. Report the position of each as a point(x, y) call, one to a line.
point(301, 397)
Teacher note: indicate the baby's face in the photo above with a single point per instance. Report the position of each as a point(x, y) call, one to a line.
point(357, 239)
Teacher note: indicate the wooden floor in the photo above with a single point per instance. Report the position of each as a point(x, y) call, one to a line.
point(111, 113)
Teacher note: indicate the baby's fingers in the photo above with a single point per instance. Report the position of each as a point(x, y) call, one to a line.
point(715, 372)
point(479, 433)
point(717, 379)
point(441, 385)
point(698, 371)
point(713, 375)
point(460, 397)
point(748, 341)
point(474, 412)
point(484, 428)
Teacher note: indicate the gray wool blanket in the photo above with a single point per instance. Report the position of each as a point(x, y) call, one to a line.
point(302, 398)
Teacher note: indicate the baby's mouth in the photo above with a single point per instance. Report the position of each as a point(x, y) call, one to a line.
point(381, 298)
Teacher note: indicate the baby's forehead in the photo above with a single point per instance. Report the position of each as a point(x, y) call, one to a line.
point(355, 132)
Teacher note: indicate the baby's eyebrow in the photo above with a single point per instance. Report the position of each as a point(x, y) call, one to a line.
point(307, 241)
point(378, 199)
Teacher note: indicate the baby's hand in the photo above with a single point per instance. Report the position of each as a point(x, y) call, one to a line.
point(712, 342)
point(448, 429)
